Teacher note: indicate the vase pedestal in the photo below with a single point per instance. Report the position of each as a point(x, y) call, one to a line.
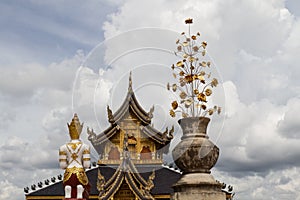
point(198, 186)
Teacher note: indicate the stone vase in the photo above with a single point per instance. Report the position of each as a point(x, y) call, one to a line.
point(195, 155)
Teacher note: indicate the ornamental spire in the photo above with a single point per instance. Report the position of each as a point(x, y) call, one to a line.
point(130, 82)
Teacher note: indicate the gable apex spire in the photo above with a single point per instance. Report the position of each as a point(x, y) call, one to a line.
point(130, 82)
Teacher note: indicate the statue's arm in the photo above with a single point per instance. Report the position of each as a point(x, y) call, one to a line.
point(86, 157)
point(63, 163)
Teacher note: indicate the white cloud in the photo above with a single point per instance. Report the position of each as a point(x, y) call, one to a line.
point(251, 141)
point(282, 184)
point(26, 79)
point(289, 126)
point(9, 190)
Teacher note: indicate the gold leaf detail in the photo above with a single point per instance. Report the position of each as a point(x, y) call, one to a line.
point(174, 105)
point(188, 102)
point(172, 113)
point(219, 110)
point(189, 21)
point(180, 64)
point(185, 44)
point(174, 87)
point(203, 64)
point(188, 78)
point(196, 49)
point(208, 92)
point(214, 82)
point(201, 97)
point(182, 95)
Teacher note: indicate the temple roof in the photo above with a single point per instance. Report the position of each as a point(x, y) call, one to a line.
point(129, 107)
point(165, 177)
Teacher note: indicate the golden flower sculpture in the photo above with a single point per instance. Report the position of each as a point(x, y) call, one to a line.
point(194, 77)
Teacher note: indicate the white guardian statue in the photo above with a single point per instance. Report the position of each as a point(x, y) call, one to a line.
point(74, 157)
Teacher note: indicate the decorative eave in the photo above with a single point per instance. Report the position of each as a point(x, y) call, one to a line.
point(125, 172)
point(162, 138)
point(98, 140)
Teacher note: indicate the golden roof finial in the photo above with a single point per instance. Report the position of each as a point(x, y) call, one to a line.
point(75, 128)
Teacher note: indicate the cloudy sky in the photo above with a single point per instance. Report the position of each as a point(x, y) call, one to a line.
point(254, 45)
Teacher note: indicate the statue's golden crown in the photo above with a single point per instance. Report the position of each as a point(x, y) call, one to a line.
point(75, 128)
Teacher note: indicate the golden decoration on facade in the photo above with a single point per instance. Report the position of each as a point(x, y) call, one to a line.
point(194, 77)
point(100, 182)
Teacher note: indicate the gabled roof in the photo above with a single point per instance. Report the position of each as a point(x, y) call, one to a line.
point(126, 172)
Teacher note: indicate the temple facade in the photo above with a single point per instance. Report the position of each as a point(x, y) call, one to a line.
point(130, 164)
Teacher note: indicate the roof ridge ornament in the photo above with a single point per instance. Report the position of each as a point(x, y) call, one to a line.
point(130, 82)
point(170, 136)
point(125, 145)
point(110, 115)
point(150, 113)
